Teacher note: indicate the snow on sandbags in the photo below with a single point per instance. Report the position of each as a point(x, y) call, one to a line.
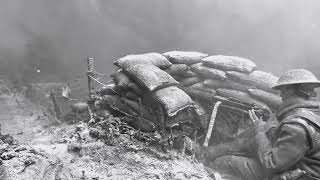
point(271, 99)
point(227, 84)
point(173, 99)
point(177, 69)
point(230, 63)
point(201, 86)
point(189, 81)
point(184, 57)
point(150, 77)
point(155, 59)
point(151, 85)
point(208, 72)
point(121, 79)
point(258, 79)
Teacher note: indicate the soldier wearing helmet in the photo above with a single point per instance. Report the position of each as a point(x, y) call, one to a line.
point(291, 150)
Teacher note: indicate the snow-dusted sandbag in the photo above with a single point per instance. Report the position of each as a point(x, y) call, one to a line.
point(202, 87)
point(155, 59)
point(110, 89)
point(173, 100)
point(208, 72)
point(271, 99)
point(150, 77)
point(230, 63)
point(146, 112)
point(227, 84)
point(189, 81)
point(258, 79)
point(243, 96)
point(115, 102)
point(136, 89)
point(184, 57)
point(177, 69)
point(121, 79)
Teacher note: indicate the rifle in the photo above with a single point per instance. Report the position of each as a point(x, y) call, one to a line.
point(233, 104)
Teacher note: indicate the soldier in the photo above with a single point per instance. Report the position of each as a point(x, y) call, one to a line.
point(292, 149)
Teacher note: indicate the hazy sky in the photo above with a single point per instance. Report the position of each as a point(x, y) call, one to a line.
point(56, 36)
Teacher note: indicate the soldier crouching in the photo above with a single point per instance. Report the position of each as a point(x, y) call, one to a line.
point(291, 149)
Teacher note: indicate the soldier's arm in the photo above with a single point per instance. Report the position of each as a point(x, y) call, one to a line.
point(289, 147)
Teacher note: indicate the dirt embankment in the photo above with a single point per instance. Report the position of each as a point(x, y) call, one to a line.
point(50, 151)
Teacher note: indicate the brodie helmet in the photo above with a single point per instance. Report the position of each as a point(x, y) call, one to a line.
point(297, 76)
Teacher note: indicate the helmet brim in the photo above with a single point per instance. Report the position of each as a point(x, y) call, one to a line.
point(313, 84)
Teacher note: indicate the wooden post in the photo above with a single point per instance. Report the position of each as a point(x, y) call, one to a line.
point(55, 106)
point(90, 73)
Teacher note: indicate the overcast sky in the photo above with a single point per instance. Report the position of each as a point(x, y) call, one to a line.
point(56, 36)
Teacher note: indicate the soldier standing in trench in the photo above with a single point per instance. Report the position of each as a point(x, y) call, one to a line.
point(291, 150)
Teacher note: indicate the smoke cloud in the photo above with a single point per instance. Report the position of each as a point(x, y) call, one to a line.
point(57, 36)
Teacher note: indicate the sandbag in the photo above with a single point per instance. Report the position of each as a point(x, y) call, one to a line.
point(173, 100)
point(184, 57)
point(110, 89)
point(177, 69)
point(136, 89)
point(226, 84)
point(202, 87)
point(189, 81)
point(146, 112)
point(271, 99)
point(150, 77)
point(140, 123)
point(208, 72)
point(121, 79)
point(258, 79)
point(187, 115)
point(131, 95)
point(230, 63)
point(114, 102)
point(242, 96)
point(155, 59)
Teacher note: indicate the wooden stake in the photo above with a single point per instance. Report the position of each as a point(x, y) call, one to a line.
point(90, 73)
point(55, 105)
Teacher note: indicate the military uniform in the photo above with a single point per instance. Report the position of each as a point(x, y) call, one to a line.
point(291, 146)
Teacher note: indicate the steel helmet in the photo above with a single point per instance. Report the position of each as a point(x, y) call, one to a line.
point(297, 76)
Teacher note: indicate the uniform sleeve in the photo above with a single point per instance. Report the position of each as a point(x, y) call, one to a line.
point(289, 147)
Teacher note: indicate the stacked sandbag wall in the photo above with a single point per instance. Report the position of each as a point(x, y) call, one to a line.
point(150, 86)
point(146, 93)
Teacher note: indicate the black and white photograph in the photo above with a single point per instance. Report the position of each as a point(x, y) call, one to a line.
point(159, 90)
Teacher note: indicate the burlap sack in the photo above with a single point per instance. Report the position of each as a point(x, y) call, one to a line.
point(139, 123)
point(146, 112)
point(136, 89)
point(271, 99)
point(150, 77)
point(258, 79)
point(189, 81)
point(184, 57)
point(242, 96)
point(173, 100)
point(226, 84)
point(177, 69)
point(110, 89)
point(121, 79)
point(131, 95)
point(114, 102)
point(155, 59)
point(202, 87)
point(207, 72)
point(230, 63)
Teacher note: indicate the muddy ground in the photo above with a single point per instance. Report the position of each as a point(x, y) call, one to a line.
point(59, 151)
